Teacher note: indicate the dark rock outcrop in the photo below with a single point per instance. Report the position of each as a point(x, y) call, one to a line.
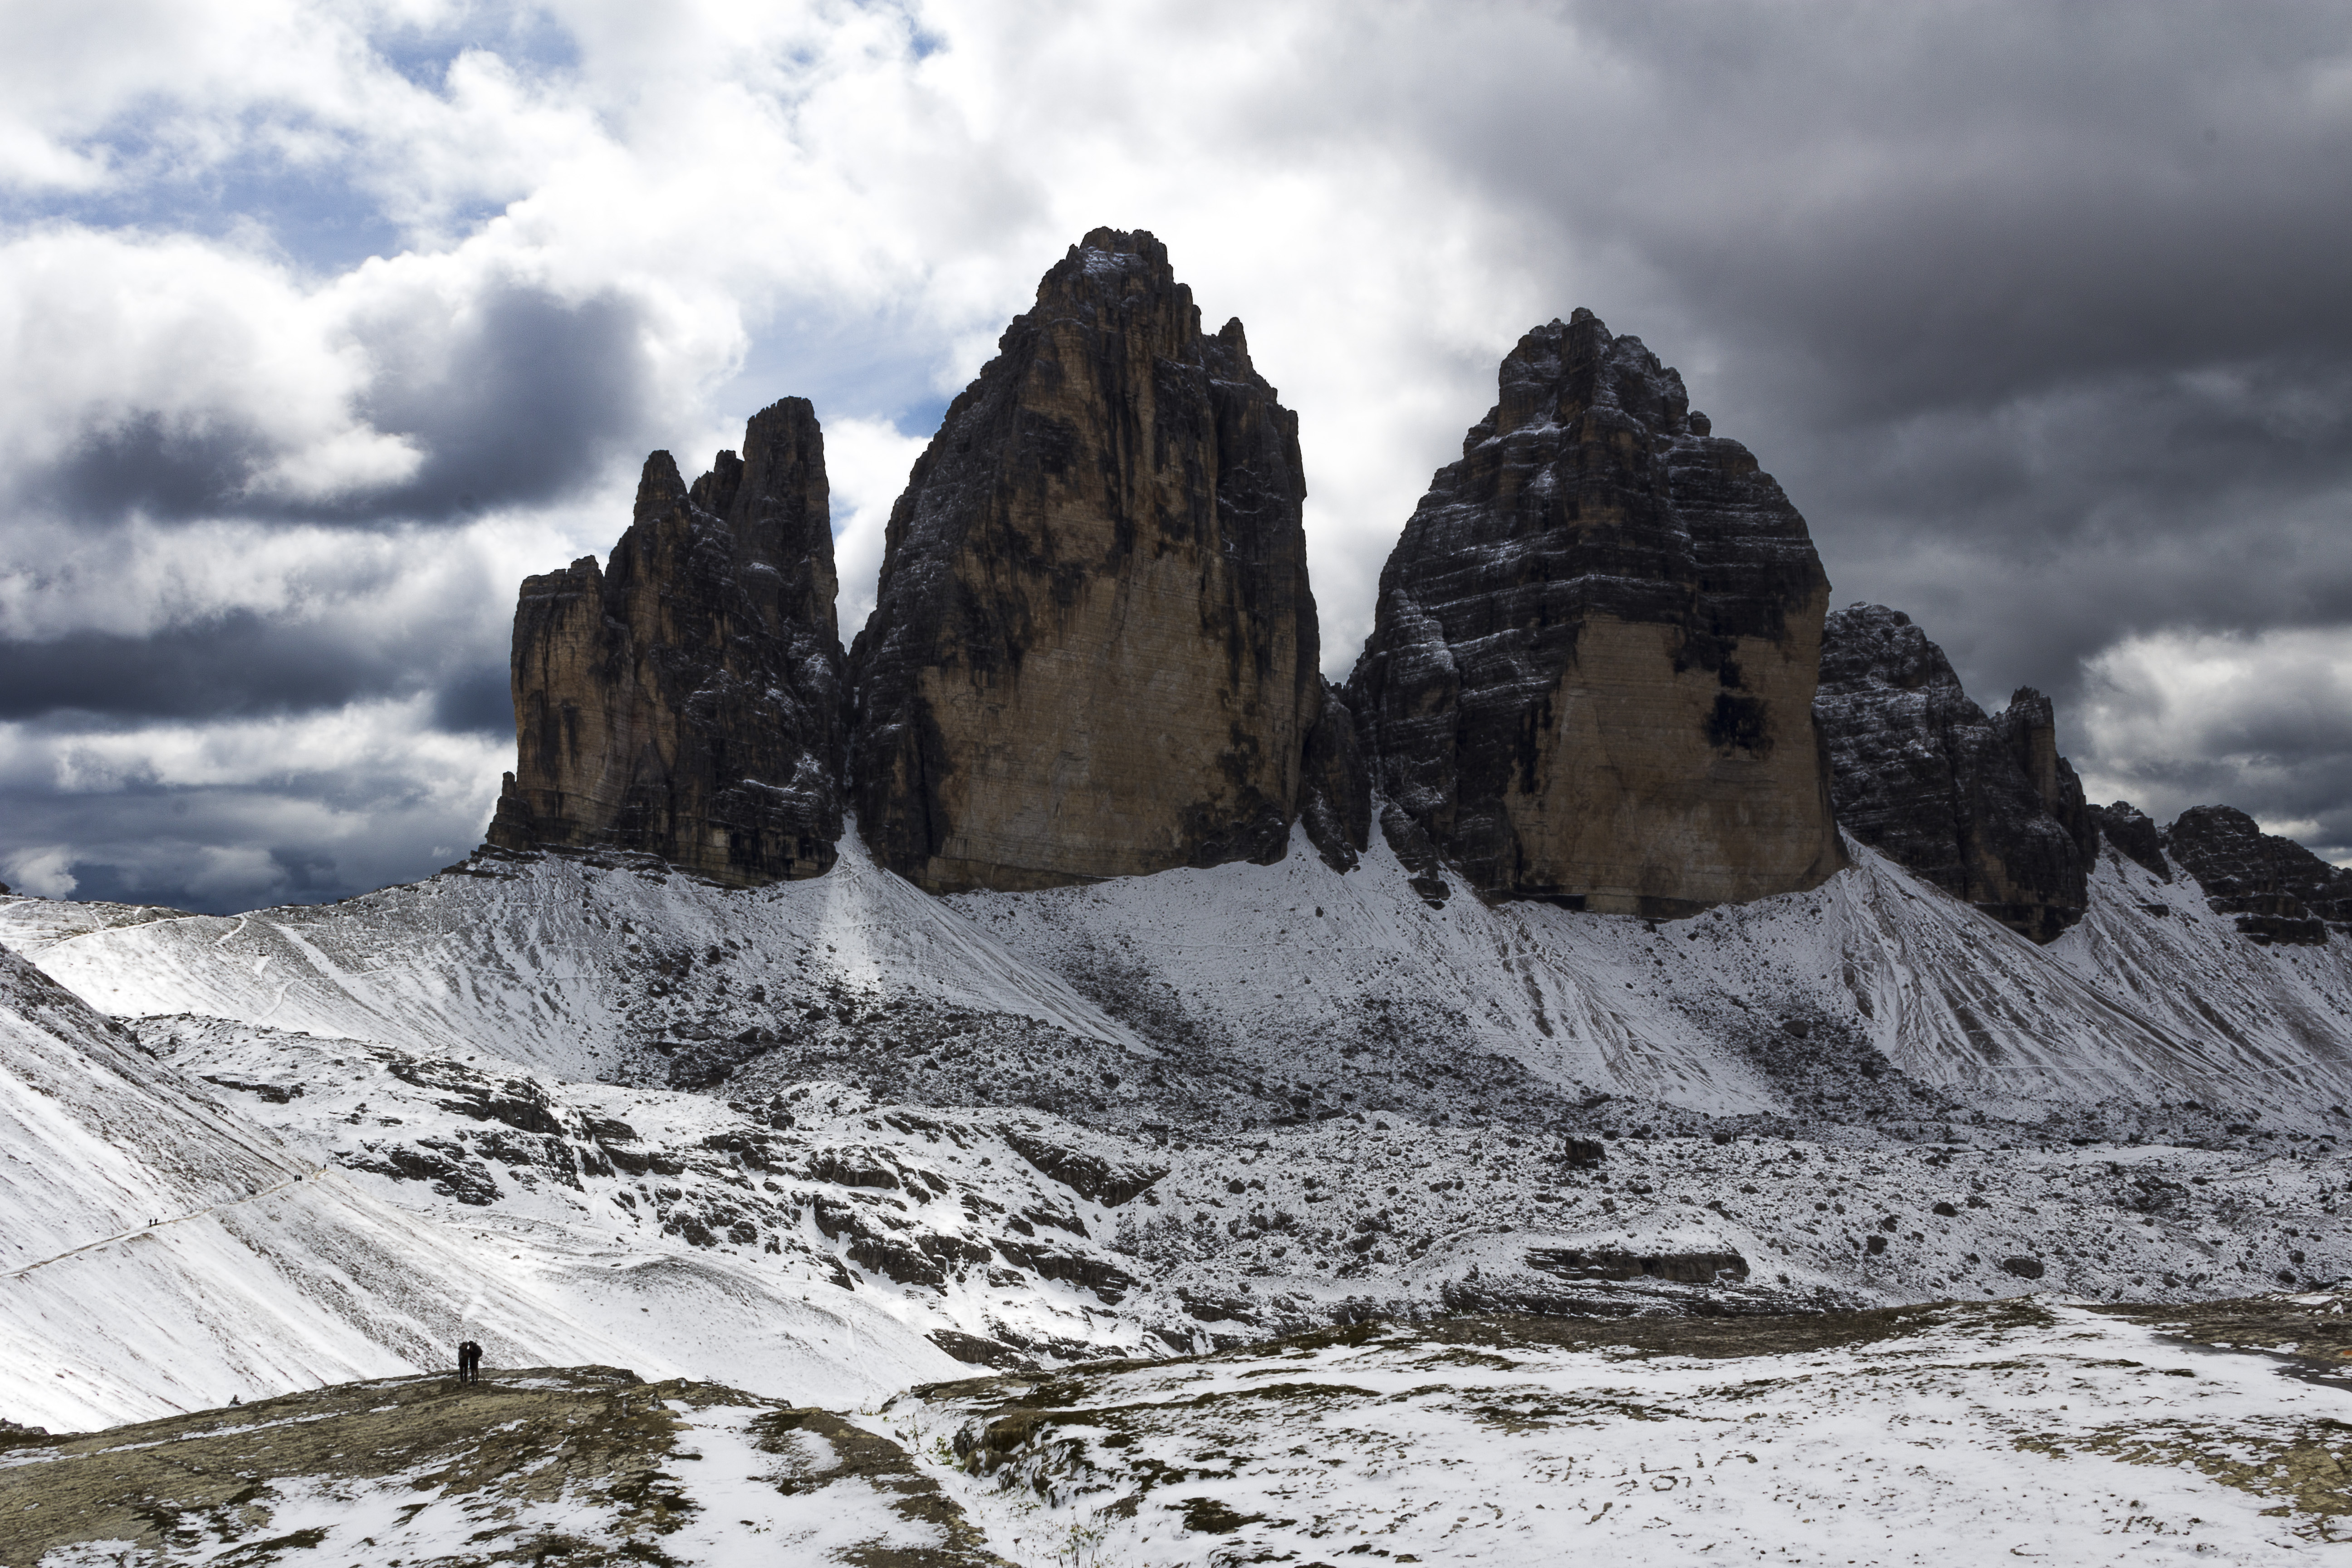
point(2280, 891)
point(686, 702)
point(1591, 674)
point(1336, 793)
point(2134, 834)
point(1092, 650)
point(1983, 806)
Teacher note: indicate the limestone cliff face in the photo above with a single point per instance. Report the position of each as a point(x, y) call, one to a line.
point(686, 702)
point(1590, 674)
point(1092, 650)
point(1983, 806)
point(2280, 891)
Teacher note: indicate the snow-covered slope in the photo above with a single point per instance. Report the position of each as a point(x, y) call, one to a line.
point(1250, 994)
point(797, 1138)
point(165, 1253)
point(573, 963)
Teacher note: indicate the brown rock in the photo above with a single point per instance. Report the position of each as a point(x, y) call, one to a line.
point(687, 702)
point(1591, 674)
point(1092, 650)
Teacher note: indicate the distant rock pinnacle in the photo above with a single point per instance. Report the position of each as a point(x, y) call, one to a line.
point(1982, 806)
point(2279, 891)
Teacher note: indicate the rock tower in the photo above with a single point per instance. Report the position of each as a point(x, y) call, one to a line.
point(687, 700)
point(1092, 650)
point(1982, 805)
point(1590, 674)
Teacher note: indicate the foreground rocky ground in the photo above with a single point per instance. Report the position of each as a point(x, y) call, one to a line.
point(1947, 1433)
point(1943, 1433)
point(578, 1466)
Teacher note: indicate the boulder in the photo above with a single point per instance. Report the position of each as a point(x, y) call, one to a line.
point(1093, 651)
point(685, 701)
point(1590, 674)
point(1983, 806)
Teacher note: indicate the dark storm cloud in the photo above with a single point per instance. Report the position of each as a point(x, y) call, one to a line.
point(534, 396)
point(144, 466)
point(145, 844)
point(514, 398)
point(243, 665)
point(239, 665)
point(2038, 313)
point(2030, 539)
point(478, 699)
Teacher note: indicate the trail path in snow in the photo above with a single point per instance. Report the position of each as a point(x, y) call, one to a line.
point(155, 1226)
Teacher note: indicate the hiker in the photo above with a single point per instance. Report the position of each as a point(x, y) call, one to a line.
point(469, 1362)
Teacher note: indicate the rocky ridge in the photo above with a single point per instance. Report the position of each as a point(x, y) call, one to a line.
point(1093, 651)
point(685, 701)
point(1983, 806)
point(2278, 891)
point(1590, 674)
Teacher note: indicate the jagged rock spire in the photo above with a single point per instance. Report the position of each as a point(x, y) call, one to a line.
point(686, 702)
point(1983, 806)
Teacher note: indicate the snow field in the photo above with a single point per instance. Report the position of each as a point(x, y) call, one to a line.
point(1963, 1435)
point(1252, 995)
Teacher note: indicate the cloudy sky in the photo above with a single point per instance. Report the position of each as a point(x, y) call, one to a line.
point(324, 323)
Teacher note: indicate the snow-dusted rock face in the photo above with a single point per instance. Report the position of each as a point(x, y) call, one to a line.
point(686, 701)
point(1591, 672)
point(1092, 652)
point(2278, 891)
point(2135, 833)
point(1984, 807)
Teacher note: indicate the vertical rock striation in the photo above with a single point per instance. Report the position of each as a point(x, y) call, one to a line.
point(1092, 650)
point(2280, 891)
point(687, 700)
point(1590, 674)
point(1982, 806)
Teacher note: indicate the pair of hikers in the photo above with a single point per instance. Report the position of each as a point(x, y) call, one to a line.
point(469, 1362)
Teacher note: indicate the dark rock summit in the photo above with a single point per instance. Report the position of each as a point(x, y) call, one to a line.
point(2134, 835)
point(1092, 650)
point(1591, 674)
point(686, 702)
point(2280, 891)
point(1982, 806)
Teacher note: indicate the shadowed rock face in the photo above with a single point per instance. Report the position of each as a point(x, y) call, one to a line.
point(686, 701)
point(2279, 891)
point(2128, 829)
point(1092, 650)
point(1982, 806)
point(1591, 674)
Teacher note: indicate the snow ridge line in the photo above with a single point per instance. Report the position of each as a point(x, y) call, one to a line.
point(298, 1176)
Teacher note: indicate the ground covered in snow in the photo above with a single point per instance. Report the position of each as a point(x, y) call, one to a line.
point(1942, 1434)
point(829, 1141)
point(578, 1466)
